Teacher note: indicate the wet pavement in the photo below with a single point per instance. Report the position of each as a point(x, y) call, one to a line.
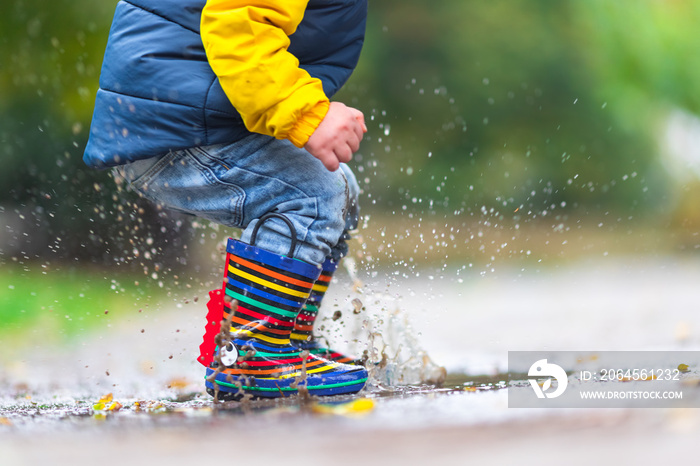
point(51, 408)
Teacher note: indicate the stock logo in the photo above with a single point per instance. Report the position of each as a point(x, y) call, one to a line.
point(541, 369)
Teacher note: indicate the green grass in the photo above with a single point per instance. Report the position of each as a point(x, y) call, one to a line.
point(62, 303)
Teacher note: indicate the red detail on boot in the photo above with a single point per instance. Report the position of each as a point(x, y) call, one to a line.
point(212, 328)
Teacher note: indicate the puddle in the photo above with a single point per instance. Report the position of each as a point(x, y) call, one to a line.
point(23, 411)
point(405, 338)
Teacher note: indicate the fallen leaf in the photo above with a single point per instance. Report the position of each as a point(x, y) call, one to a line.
point(115, 406)
point(355, 408)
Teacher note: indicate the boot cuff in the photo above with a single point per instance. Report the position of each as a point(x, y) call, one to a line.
point(285, 263)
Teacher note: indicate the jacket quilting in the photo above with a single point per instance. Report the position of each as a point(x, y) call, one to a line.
point(158, 92)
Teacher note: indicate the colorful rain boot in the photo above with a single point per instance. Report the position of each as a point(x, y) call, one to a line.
point(262, 296)
point(302, 336)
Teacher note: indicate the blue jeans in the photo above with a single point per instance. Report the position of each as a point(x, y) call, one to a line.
point(236, 184)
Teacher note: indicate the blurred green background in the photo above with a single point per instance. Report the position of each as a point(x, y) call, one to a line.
point(500, 131)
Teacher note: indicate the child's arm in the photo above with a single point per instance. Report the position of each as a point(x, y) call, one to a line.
point(246, 43)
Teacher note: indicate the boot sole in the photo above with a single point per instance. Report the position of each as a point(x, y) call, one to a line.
point(348, 382)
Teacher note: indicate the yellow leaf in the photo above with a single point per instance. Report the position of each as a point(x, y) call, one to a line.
point(107, 398)
point(115, 406)
point(98, 406)
point(683, 368)
point(353, 408)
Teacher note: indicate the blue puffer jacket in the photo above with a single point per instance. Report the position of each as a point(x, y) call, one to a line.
point(158, 93)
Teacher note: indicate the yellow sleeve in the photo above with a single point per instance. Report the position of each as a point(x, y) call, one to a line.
point(246, 43)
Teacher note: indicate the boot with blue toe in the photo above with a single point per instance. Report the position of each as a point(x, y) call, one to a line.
point(303, 334)
point(253, 354)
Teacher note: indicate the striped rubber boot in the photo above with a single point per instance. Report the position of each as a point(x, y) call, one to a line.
point(302, 336)
point(262, 296)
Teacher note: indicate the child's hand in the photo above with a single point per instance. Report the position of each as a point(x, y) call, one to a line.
point(338, 136)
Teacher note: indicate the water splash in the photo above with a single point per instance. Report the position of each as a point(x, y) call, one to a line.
point(386, 339)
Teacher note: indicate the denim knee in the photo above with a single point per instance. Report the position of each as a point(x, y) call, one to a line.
point(318, 215)
point(236, 184)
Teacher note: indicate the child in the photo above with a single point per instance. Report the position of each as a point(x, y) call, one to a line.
point(221, 109)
